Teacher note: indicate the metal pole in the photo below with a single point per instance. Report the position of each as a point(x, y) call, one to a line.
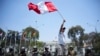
point(60, 15)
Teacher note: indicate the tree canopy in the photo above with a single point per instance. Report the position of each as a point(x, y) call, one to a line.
point(74, 33)
point(31, 32)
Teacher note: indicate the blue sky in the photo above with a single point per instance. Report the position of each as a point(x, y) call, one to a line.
point(14, 15)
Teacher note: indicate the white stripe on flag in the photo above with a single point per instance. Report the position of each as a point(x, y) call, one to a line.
point(42, 7)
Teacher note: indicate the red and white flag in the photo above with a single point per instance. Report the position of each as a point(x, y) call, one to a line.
point(42, 7)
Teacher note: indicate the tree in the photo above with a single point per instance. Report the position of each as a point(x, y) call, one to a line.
point(2, 35)
point(2, 32)
point(92, 38)
point(12, 37)
point(74, 32)
point(84, 38)
point(31, 34)
point(96, 42)
point(34, 32)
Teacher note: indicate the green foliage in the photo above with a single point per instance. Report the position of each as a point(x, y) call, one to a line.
point(96, 42)
point(74, 31)
point(2, 31)
point(94, 38)
point(39, 44)
point(34, 32)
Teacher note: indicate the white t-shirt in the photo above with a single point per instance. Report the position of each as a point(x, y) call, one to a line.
point(61, 38)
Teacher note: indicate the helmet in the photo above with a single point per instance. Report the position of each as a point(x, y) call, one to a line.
point(23, 48)
point(34, 46)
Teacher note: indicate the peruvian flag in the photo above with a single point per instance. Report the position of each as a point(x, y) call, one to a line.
point(42, 7)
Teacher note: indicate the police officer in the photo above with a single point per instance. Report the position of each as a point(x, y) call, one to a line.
point(11, 52)
point(1, 52)
point(46, 52)
point(22, 53)
point(35, 51)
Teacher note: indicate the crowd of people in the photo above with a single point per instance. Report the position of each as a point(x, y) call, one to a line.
point(58, 51)
point(23, 52)
point(46, 52)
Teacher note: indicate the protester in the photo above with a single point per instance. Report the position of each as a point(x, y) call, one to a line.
point(61, 38)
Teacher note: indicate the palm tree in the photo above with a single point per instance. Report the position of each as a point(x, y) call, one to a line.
point(31, 34)
point(12, 37)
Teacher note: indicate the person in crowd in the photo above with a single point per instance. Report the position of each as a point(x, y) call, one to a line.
point(11, 52)
point(46, 52)
point(35, 51)
point(56, 52)
point(1, 51)
point(71, 52)
point(88, 52)
point(22, 53)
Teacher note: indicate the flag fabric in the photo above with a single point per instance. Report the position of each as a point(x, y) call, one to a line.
point(42, 7)
point(34, 7)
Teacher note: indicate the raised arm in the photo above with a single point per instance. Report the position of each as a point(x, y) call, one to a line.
point(62, 25)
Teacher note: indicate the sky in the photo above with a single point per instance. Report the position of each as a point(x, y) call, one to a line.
point(14, 15)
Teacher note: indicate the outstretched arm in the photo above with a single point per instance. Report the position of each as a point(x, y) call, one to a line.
point(62, 25)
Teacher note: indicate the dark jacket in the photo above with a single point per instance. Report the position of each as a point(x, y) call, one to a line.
point(46, 53)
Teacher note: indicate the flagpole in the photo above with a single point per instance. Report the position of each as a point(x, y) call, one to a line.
point(60, 14)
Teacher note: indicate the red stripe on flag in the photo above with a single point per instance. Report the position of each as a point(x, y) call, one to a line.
point(34, 7)
point(50, 6)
